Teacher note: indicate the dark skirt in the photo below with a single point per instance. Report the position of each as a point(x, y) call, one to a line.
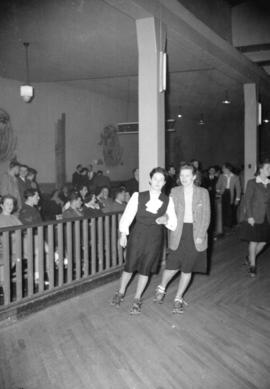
point(186, 258)
point(257, 233)
point(144, 249)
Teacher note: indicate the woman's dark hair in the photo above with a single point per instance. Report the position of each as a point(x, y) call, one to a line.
point(81, 186)
point(8, 196)
point(119, 190)
point(88, 197)
point(188, 166)
point(32, 171)
point(159, 170)
point(74, 196)
point(228, 166)
point(261, 165)
point(30, 192)
point(99, 189)
point(12, 164)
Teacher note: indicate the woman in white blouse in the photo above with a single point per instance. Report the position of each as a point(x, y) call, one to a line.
point(188, 243)
point(152, 210)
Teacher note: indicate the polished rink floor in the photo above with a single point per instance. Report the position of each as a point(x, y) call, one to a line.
point(221, 341)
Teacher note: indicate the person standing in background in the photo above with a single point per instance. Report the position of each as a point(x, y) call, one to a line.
point(256, 228)
point(9, 184)
point(228, 187)
point(133, 183)
point(22, 180)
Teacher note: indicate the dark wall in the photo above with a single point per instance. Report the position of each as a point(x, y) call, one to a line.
point(215, 13)
point(212, 143)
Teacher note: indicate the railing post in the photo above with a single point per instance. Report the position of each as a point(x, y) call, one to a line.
point(113, 239)
point(18, 256)
point(40, 254)
point(69, 251)
point(30, 261)
point(78, 248)
point(119, 248)
point(93, 240)
point(60, 250)
point(7, 273)
point(85, 248)
point(107, 242)
point(51, 255)
point(100, 244)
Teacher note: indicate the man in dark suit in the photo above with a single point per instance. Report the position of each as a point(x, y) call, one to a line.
point(22, 180)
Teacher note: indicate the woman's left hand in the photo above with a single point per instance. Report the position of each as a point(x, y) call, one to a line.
point(199, 240)
point(162, 219)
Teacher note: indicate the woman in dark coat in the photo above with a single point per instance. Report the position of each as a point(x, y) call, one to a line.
point(152, 210)
point(256, 228)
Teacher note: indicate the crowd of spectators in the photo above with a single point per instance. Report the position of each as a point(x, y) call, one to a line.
point(90, 194)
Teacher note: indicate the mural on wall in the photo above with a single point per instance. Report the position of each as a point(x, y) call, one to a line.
point(8, 139)
point(112, 150)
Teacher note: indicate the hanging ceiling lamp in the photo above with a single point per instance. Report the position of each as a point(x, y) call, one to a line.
point(226, 100)
point(26, 90)
point(179, 114)
point(201, 121)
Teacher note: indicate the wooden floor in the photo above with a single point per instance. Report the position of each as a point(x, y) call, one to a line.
point(222, 341)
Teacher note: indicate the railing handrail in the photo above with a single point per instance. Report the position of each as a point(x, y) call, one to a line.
point(55, 222)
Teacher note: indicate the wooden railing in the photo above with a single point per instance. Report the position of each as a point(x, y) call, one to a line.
point(46, 257)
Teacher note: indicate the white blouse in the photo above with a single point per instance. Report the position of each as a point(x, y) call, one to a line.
point(152, 206)
point(188, 216)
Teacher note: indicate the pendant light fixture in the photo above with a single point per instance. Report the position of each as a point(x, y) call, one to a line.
point(26, 90)
point(179, 114)
point(201, 121)
point(226, 100)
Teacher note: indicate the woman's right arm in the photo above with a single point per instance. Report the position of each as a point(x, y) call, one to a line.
point(127, 218)
point(129, 214)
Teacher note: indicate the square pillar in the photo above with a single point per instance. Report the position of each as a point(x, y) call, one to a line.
point(251, 133)
point(151, 41)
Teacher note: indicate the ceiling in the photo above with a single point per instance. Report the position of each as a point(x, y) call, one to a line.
point(92, 44)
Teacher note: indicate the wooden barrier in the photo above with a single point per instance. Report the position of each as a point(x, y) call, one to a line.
point(41, 258)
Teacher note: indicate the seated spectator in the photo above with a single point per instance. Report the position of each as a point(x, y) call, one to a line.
point(99, 181)
point(74, 208)
point(103, 197)
point(9, 183)
point(118, 204)
point(91, 207)
point(63, 194)
point(7, 219)
point(83, 190)
point(52, 206)
point(32, 179)
point(133, 183)
point(76, 176)
point(29, 214)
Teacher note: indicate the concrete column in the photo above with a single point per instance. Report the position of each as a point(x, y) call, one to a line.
point(251, 136)
point(151, 40)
